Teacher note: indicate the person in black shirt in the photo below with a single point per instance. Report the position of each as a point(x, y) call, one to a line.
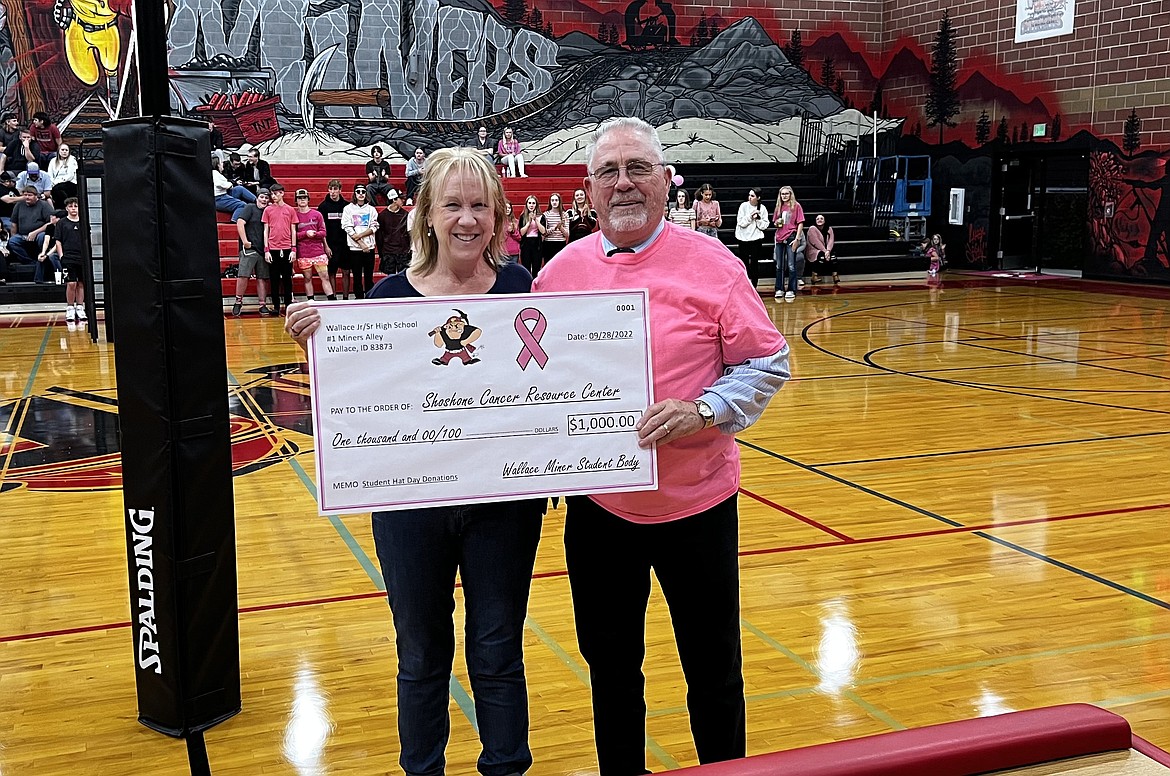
point(20, 152)
point(378, 175)
point(9, 130)
point(256, 173)
point(331, 208)
point(71, 248)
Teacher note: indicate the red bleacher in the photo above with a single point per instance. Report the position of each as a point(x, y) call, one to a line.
point(543, 180)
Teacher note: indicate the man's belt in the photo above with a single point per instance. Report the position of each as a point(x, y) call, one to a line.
point(96, 27)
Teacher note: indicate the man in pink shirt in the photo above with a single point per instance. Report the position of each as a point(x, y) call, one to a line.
point(718, 360)
point(280, 245)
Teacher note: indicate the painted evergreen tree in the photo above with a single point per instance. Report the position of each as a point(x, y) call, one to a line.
point(828, 73)
point(1056, 128)
point(839, 87)
point(1015, 135)
point(1001, 133)
point(714, 27)
point(515, 11)
point(1131, 139)
point(700, 36)
point(536, 19)
point(983, 129)
point(548, 30)
point(794, 50)
point(942, 101)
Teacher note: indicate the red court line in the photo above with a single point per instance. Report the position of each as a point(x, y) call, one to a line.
point(844, 541)
point(807, 520)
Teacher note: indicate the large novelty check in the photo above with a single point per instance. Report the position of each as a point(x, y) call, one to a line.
point(456, 400)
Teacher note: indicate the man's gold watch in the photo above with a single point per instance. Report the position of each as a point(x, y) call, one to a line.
point(705, 412)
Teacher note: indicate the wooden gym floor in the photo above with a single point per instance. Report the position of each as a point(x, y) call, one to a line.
point(959, 507)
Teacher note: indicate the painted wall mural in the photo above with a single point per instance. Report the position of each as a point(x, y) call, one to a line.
point(334, 76)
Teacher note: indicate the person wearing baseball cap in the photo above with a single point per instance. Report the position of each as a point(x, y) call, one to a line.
point(360, 221)
point(312, 249)
point(32, 176)
point(392, 236)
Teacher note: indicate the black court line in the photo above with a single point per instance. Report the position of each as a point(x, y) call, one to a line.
point(969, 384)
point(1083, 298)
point(981, 534)
point(848, 483)
point(951, 368)
point(1079, 571)
point(1070, 362)
point(1001, 448)
point(1008, 391)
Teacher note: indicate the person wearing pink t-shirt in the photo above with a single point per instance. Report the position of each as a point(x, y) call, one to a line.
point(280, 246)
point(717, 360)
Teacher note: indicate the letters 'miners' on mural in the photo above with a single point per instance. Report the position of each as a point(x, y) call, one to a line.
point(380, 71)
point(401, 48)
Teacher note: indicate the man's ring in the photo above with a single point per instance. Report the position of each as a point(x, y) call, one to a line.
point(666, 426)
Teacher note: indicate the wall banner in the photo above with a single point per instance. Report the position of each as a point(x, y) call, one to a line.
point(1038, 19)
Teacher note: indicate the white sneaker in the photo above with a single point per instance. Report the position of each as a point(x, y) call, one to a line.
point(80, 312)
point(69, 314)
point(800, 283)
point(790, 295)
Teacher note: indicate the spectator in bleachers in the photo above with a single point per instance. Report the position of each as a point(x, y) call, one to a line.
point(510, 153)
point(511, 234)
point(819, 250)
point(20, 152)
point(582, 217)
point(280, 246)
point(234, 169)
point(360, 222)
point(33, 176)
point(229, 198)
point(555, 228)
point(45, 132)
point(30, 222)
point(788, 218)
point(9, 130)
point(393, 237)
point(750, 223)
point(9, 196)
point(250, 228)
point(257, 172)
point(312, 249)
point(708, 217)
point(378, 175)
point(484, 145)
point(331, 208)
point(415, 167)
point(49, 257)
point(217, 148)
point(530, 236)
point(681, 212)
point(63, 174)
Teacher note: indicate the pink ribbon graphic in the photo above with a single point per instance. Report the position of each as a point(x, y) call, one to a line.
point(531, 338)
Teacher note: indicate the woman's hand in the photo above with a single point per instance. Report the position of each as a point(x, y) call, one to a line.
point(301, 320)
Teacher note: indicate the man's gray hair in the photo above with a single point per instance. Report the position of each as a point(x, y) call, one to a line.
point(632, 124)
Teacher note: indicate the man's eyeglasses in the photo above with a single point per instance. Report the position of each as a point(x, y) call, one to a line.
point(635, 171)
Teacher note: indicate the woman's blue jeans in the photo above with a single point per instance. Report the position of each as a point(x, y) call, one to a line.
point(789, 265)
point(493, 548)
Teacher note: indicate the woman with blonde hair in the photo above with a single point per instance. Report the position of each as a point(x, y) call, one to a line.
point(508, 149)
point(459, 237)
point(788, 218)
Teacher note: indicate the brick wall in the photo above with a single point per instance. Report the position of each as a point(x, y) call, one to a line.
point(1117, 59)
